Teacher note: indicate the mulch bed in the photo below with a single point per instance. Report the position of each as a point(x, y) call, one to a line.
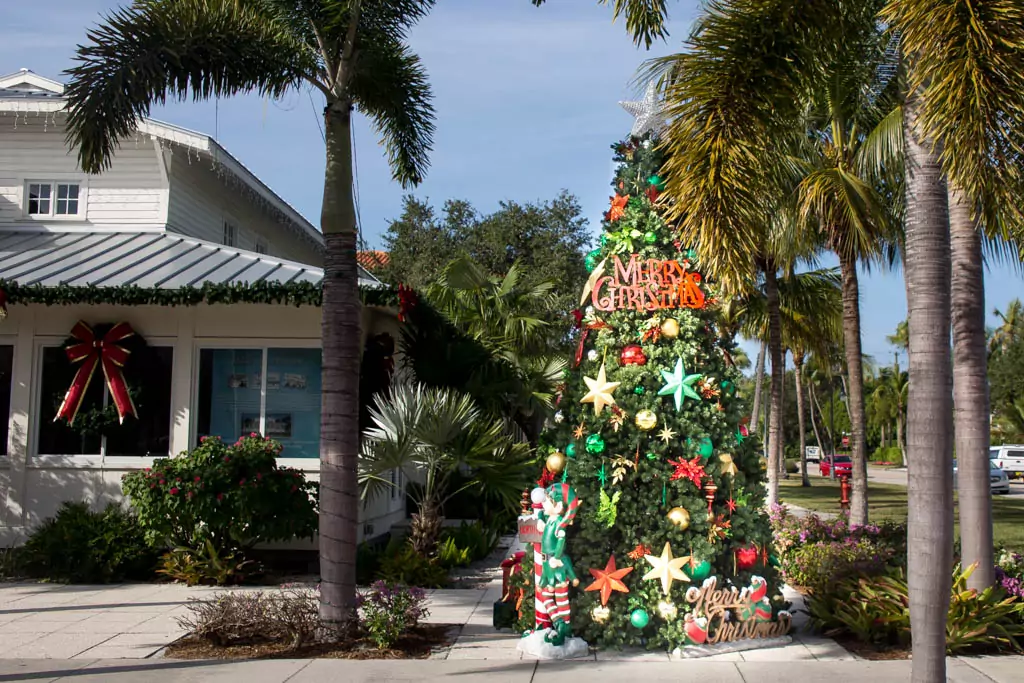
point(870, 651)
point(417, 644)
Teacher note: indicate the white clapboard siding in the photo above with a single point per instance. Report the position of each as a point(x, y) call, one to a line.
point(129, 192)
point(200, 201)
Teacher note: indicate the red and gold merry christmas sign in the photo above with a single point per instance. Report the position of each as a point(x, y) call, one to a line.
point(644, 285)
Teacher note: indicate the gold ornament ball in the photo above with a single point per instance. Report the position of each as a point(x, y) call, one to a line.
point(680, 517)
point(555, 462)
point(646, 420)
point(600, 614)
point(670, 328)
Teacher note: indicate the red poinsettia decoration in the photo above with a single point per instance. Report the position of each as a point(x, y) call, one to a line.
point(746, 557)
point(618, 208)
point(688, 469)
point(639, 552)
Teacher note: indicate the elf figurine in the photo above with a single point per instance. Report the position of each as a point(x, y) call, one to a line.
point(558, 512)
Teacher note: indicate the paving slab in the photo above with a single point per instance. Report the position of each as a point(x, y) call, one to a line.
point(794, 652)
point(36, 669)
point(631, 655)
point(128, 646)
point(56, 646)
point(648, 672)
point(813, 671)
point(170, 671)
point(995, 668)
point(374, 671)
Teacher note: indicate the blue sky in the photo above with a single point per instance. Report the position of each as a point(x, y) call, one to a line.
point(526, 102)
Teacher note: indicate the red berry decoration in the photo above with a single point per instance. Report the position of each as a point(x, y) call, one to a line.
point(746, 557)
point(632, 355)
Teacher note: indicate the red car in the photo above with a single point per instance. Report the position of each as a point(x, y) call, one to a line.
point(843, 465)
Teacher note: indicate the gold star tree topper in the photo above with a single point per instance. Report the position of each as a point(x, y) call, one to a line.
point(666, 568)
point(600, 393)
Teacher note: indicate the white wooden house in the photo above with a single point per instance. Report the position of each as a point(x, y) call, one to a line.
point(176, 216)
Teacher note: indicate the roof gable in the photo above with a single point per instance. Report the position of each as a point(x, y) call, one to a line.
point(30, 83)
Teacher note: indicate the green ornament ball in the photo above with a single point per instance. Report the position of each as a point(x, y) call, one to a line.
point(639, 618)
point(592, 259)
point(652, 456)
point(650, 237)
point(595, 444)
point(691, 254)
point(700, 571)
point(773, 561)
point(656, 182)
point(728, 387)
point(705, 448)
point(570, 450)
point(639, 390)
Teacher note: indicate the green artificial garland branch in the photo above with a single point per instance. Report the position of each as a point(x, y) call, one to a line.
point(291, 294)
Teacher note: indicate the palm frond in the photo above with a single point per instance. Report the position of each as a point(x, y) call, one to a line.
point(168, 49)
point(391, 87)
point(645, 19)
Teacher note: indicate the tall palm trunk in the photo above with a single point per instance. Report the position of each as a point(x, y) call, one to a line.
point(929, 437)
point(780, 443)
point(758, 381)
point(970, 393)
point(814, 423)
point(339, 409)
point(824, 425)
point(771, 287)
point(798, 363)
point(855, 397)
point(900, 441)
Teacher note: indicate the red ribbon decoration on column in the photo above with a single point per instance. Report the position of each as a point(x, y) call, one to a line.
point(92, 351)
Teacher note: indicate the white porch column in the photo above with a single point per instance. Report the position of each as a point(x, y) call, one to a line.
point(19, 439)
point(181, 386)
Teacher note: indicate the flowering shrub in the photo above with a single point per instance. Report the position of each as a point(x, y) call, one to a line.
point(219, 500)
point(388, 611)
point(814, 552)
point(1010, 573)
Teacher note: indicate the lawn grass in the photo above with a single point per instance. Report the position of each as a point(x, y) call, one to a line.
point(889, 502)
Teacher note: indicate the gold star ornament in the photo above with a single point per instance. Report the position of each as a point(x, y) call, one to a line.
point(666, 435)
point(600, 391)
point(666, 568)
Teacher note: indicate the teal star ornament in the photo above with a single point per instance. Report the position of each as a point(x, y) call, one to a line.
point(678, 384)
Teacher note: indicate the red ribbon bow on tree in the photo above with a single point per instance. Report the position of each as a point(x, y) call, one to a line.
point(105, 351)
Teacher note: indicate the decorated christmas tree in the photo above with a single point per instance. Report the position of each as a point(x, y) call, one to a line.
point(670, 540)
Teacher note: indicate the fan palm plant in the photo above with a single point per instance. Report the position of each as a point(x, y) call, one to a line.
point(892, 389)
point(351, 51)
point(432, 434)
point(1011, 327)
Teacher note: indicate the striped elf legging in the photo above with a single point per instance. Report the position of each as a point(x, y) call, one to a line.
point(556, 604)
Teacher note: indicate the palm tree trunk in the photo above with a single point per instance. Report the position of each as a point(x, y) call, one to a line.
point(339, 409)
point(900, 441)
point(798, 362)
point(929, 437)
point(855, 397)
point(824, 425)
point(780, 443)
point(814, 423)
point(771, 287)
point(970, 393)
point(758, 381)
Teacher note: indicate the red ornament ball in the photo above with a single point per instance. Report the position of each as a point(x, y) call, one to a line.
point(632, 355)
point(746, 557)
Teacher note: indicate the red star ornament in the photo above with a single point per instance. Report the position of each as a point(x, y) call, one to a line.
point(609, 579)
point(688, 469)
point(731, 504)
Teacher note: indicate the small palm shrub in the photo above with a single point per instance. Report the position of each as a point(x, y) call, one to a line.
point(79, 545)
point(214, 503)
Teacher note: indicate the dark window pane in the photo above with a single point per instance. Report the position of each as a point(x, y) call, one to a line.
point(57, 438)
point(229, 392)
point(149, 376)
point(6, 363)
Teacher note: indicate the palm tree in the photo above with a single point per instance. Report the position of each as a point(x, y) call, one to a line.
point(1012, 324)
point(852, 144)
point(433, 434)
point(891, 391)
point(354, 53)
point(966, 71)
point(901, 338)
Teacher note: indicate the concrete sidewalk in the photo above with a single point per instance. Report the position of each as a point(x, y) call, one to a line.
point(961, 670)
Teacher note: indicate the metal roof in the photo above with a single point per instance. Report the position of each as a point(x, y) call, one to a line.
point(157, 260)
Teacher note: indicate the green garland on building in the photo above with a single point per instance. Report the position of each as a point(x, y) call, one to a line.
point(292, 294)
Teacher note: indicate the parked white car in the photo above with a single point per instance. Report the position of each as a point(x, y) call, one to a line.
point(1009, 458)
point(997, 478)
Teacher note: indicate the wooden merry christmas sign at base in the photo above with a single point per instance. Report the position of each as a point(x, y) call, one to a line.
point(643, 285)
point(731, 614)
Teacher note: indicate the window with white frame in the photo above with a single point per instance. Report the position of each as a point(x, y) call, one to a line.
point(230, 235)
point(48, 199)
point(274, 392)
point(96, 429)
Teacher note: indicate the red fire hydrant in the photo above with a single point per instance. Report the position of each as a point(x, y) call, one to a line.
point(844, 493)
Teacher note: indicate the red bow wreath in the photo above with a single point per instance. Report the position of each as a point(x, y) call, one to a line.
point(91, 351)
